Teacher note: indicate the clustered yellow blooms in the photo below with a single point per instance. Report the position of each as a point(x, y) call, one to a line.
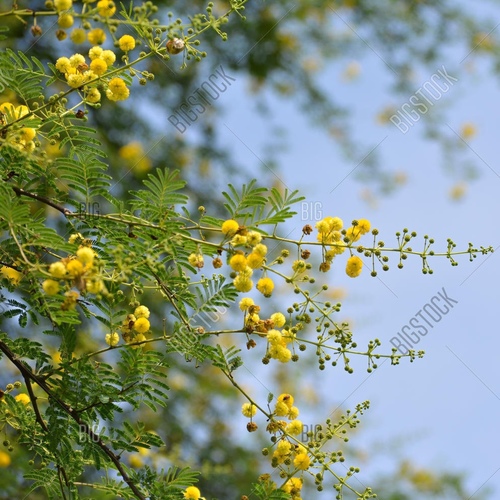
point(104, 8)
point(90, 77)
point(330, 233)
point(79, 270)
point(19, 136)
point(134, 327)
point(288, 451)
point(244, 263)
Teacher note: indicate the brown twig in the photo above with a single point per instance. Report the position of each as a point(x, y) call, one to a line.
point(43, 199)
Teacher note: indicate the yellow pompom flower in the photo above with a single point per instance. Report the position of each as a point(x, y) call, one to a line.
point(5, 459)
point(92, 95)
point(255, 260)
point(50, 287)
point(283, 448)
point(294, 428)
point(85, 255)
point(238, 240)
point(142, 325)
point(293, 413)
point(281, 409)
point(76, 80)
point(238, 262)
point(293, 486)
point(126, 43)
point(108, 56)
point(253, 238)
point(353, 234)
point(96, 36)
point(287, 399)
point(98, 66)
point(334, 223)
point(95, 52)
point(117, 90)
point(192, 493)
point(196, 260)
point(246, 303)
point(363, 226)
point(248, 410)
point(302, 461)
point(265, 286)
point(27, 134)
point(243, 283)
point(106, 8)
point(76, 60)
point(260, 249)
point(112, 339)
point(78, 36)
point(23, 398)
point(278, 319)
point(354, 266)
point(63, 4)
point(74, 268)
point(57, 270)
point(141, 312)
point(65, 21)
point(283, 354)
point(13, 275)
point(247, 272)
point(63, 64)
point(230, 227)
point(274, 337)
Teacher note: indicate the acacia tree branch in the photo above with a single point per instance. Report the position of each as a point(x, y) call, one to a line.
point(21, 192)
point(27, 373)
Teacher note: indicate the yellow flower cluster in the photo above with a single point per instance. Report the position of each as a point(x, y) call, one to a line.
point(89, 77)
point(253, 322)
point(196, 260)
point(79, 270)
point(287, 450)
point(277, 345)
point(19, 136)
point(330, 233)
point(135, 326)
point(244, 263)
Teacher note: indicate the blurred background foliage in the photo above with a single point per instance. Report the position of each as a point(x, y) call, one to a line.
point(279, 52)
